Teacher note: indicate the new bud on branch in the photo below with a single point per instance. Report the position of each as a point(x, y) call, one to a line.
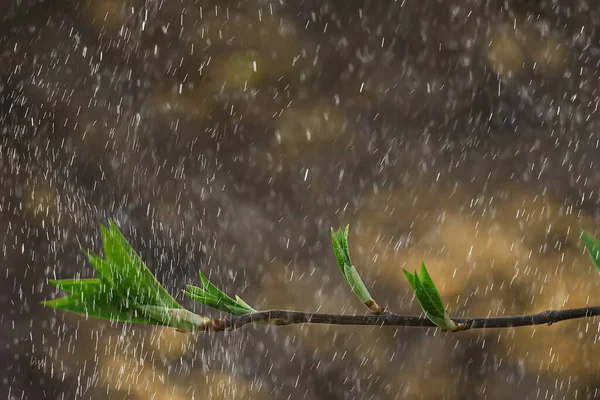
point(342, 255)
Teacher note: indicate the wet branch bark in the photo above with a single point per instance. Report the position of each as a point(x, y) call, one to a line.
point(284, 317)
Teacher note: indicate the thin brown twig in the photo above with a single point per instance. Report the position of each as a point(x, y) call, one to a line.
point(285, 317)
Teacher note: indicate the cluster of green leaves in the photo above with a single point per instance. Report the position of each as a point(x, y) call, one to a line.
point(429, 298)
point(126, 290)
point(211, 296)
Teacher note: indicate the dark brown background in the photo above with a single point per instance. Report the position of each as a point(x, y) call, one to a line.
point(231, 135)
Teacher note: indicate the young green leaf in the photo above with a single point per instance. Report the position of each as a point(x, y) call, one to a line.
point(96, 299)
point(341, 250)
point(410, 278)
point(339, 240)
point(237, 310)
point(444, 322)
point(204, 299)
point(429, 298)
point(425, 300)
point(430, 290)
point(125, 285)
point(213, 302)
point(123, 269)
point(244, 304)
point(213, 290)
point(593, 247)
point(215, 298)
point(356, 284)
point(76, 286)
point(223, 299)
point(197, 291)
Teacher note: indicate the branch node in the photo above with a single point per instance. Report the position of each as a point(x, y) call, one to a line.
point(375, 307)
point(216, 325)
point(460, 326)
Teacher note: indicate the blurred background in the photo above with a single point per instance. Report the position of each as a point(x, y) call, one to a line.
point(229, 136)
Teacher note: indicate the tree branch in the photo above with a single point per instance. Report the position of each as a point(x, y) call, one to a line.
point(127, 291)
point(284, 317)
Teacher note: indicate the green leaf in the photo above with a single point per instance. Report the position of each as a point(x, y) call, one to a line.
point(429, 298)
point(126, 290)
point(444, 322)
point(356, 284)
point(427, 304)
point(233, 307)
point(593, 247)
point(430, 290)
point(410, 278)
point(123, 269)
point(215, 298)
point(76, 286)
point(244, 304)
point(210, 301)
point(237, 310)
point(340, 247)
point(94, 298)
point(100, 266)
point(341, 250)
point(212, 289)
point(99, 301)
point(197, 291)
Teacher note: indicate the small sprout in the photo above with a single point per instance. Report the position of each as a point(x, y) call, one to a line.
point(93, 298)
point(125, 272)
point(342, 255)
point(429, 298)
point(211, 296)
